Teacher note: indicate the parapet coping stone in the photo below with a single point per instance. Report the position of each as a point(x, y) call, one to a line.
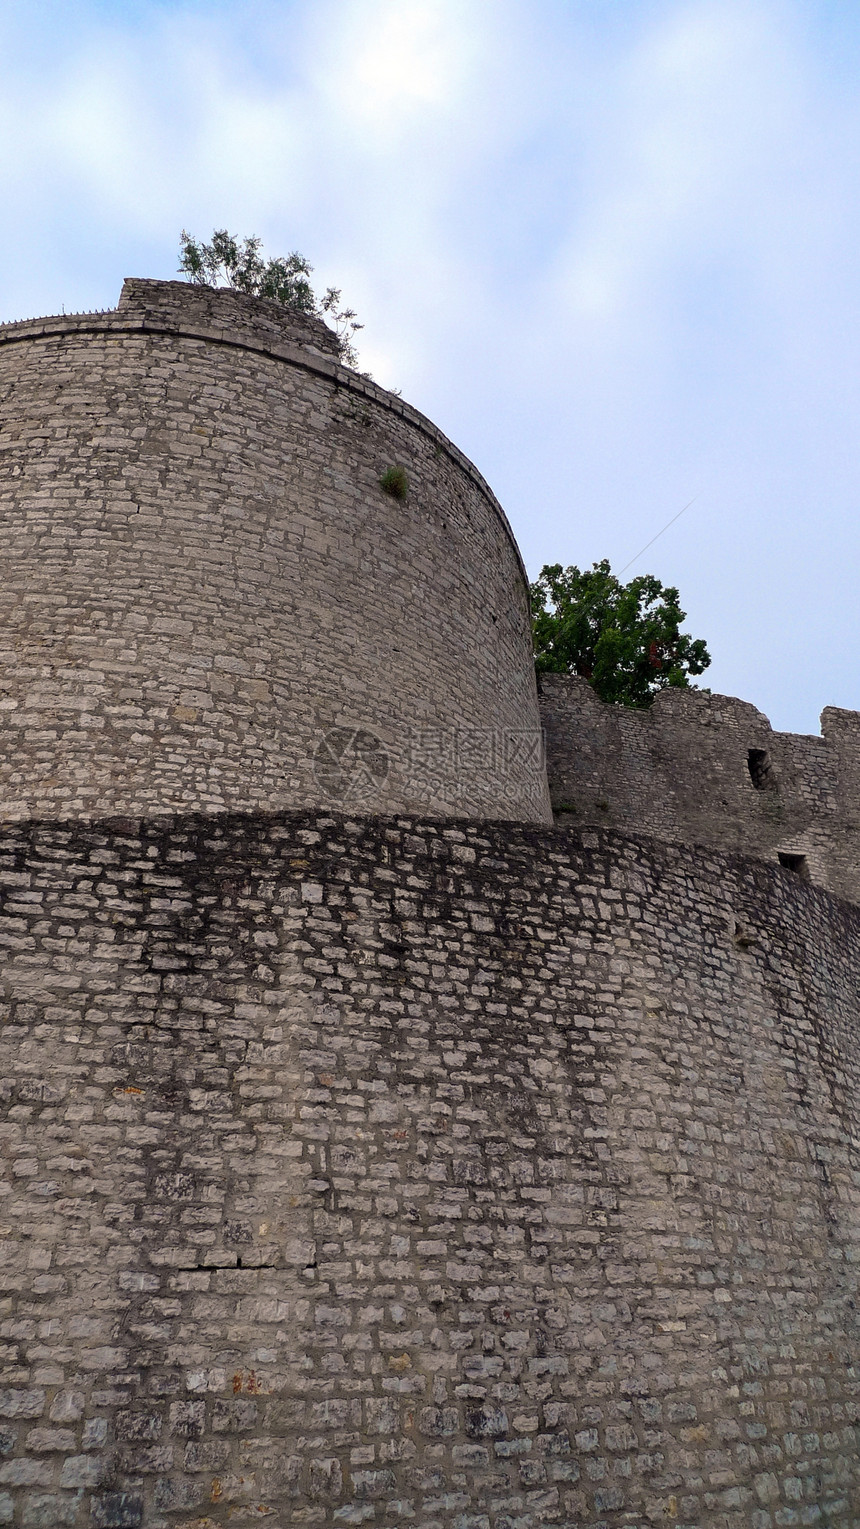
point(125, 320)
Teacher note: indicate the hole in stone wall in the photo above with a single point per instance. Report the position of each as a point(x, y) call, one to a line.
point(795, 863)
point(761, 770)
point(744, 935)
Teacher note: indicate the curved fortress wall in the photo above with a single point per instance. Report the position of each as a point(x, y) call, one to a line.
point(386, 1170)
point(208, 601)
point(396, 1173)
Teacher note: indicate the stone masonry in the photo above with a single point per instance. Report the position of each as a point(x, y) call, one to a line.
point(697, 768)
point(204, 580)
point(372, 1150)
point(373, 1171)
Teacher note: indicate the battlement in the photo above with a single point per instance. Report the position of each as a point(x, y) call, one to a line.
point(702, 769)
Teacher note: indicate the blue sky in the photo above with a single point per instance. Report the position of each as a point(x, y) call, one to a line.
point(613, 249)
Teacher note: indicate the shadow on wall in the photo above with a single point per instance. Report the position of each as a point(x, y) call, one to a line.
point(708, 769)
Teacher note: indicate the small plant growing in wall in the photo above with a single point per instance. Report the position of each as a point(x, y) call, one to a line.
point(395, 482)
point(238, 264)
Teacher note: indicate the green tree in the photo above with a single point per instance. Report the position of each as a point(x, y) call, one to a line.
point(623, 638)
point(238, 264)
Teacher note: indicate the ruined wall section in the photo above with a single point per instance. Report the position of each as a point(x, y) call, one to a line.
point(708, 769)
point(217, 314)
point(391, 1172)
point(203, 581)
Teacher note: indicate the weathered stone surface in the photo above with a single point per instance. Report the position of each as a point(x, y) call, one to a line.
point(207, 600)
point(421, 1170)
point(708, 769)
point(500, 1184)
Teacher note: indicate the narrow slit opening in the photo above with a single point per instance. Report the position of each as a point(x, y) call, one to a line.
point(761, 770)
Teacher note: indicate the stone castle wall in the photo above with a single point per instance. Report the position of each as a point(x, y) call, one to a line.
point(437, 1170)
point(209, 602)
point(708, 769)
point(389, 1172)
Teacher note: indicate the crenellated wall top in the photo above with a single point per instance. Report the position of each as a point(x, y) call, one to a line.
point(697, 768)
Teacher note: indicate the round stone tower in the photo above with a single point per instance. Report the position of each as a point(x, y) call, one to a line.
point(359, 1168)
point(210, 602)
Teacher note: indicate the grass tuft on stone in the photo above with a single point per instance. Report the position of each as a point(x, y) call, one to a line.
point(395, 482)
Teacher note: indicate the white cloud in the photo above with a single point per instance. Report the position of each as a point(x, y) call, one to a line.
point(390, 64)
point(698, 121)
point(347, 143)
point(610, 248)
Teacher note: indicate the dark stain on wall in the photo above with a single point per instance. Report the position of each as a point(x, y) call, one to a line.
point(378, 1170)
